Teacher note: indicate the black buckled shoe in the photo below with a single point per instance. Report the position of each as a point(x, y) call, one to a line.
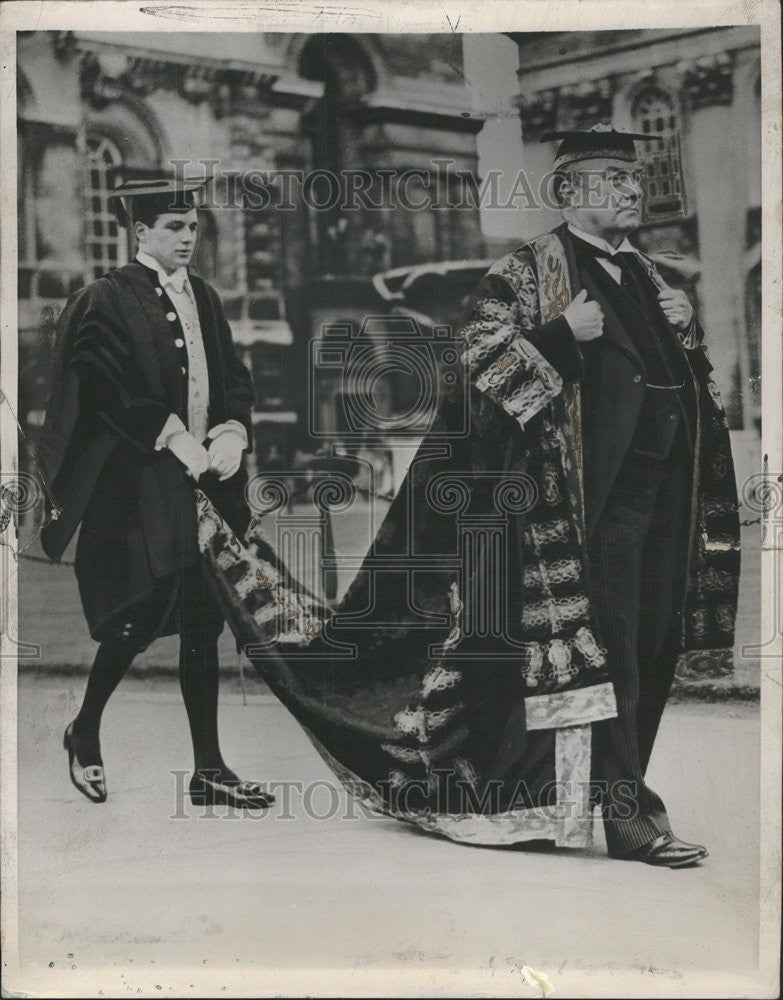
point(667, 851)
point(88, 778)
point(218, 791)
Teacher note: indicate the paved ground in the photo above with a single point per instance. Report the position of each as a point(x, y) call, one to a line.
point(275, 905)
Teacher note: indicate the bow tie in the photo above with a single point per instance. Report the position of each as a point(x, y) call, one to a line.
point(619, 257)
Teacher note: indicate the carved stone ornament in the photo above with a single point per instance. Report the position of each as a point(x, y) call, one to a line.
point(708, 81)
point(538, 110)
point(583, 103)
point(107, 75)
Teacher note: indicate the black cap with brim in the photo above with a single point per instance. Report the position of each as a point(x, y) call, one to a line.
point(157, 197)
point(599, 141)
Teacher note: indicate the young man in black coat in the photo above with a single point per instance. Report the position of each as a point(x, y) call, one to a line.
point(148, 400)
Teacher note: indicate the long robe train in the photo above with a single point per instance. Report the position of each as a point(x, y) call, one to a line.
point(427, 707)
point(421, 716)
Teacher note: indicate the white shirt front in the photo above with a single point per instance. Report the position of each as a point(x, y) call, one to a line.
point(179, 290)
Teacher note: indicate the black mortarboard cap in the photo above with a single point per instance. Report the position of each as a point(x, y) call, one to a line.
point(154, 196)
point(600, 140)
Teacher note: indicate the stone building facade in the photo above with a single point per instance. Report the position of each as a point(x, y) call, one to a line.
point(252, 108)
point(704, 85)
point(95, 108)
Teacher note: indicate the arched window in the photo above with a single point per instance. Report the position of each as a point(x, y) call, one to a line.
point(106, 245)
point(654, 113)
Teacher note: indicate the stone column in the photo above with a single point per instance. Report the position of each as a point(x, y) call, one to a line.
point(716, 154)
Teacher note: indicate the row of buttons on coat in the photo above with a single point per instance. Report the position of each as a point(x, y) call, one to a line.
point(179, 342)
point(196, 412)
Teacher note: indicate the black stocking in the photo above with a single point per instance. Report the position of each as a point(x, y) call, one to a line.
point(109, 667)
point(199, 680)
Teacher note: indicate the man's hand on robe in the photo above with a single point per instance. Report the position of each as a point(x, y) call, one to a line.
point(586, 319)
point(676, 307)
point(225, 452)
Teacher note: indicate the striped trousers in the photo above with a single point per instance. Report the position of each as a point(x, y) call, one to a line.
point(636, 565)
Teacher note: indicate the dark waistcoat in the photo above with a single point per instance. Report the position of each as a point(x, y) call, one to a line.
point(667, 416)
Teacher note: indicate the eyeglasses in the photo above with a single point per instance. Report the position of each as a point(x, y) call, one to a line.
point(624, 178)
point(617, 178)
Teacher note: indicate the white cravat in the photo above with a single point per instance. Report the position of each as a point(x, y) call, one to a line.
point(180, 292)
point(612, 269)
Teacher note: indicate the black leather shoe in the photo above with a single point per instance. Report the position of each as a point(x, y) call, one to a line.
point(534, 845)
point(667, 851)
point(89, 778)
point(217, 791)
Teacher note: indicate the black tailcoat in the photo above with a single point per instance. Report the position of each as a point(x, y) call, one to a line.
point(614, 377)
point(117, 376)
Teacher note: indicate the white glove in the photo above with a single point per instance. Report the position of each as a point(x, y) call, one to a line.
point(225, 453)
point(192, 454)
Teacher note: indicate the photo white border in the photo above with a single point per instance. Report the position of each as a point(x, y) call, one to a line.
point(419, 16)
